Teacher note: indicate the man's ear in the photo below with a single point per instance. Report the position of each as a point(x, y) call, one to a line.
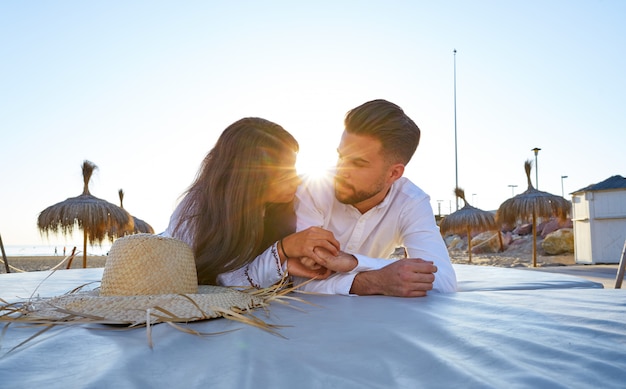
point(396, 171)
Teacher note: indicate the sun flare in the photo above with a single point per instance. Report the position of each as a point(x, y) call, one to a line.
point(314, 167)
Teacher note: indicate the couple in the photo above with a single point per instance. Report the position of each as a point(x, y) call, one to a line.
point(250, 219)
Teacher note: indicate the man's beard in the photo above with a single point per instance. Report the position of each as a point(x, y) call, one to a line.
point(355, 196)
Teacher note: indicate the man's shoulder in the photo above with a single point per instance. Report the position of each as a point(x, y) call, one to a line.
point(406, 188)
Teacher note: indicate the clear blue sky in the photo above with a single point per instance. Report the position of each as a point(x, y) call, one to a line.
point(144, 88)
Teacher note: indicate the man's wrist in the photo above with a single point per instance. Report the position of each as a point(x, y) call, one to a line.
point(364, 283)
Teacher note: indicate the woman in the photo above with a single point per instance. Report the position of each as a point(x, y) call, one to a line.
point(238, 215)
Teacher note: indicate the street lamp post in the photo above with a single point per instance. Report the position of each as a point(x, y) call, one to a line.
point(536, 150)
point(512, 189)
point(456, 161)
point(562, 191)
point(439, 207)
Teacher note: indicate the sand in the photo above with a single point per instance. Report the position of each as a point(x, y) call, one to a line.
point(36, 263)
point(506, 259)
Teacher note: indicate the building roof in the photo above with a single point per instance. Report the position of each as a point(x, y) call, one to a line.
point(614, 182)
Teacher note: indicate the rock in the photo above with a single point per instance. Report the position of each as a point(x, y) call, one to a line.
point(559, 242)
point(541, 225)
point(507, 238)
point(456, 243)
point(553, 225)
point(549, 227)
point(524, 229)
point(520, 243)
point(507, 228)
point(487, 242)
point(449, 238)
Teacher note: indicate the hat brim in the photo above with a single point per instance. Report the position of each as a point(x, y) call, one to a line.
point(210, 302)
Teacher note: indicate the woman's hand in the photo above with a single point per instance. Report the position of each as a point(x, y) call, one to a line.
point(341, 263)
point(295, 267)
point(303, 244)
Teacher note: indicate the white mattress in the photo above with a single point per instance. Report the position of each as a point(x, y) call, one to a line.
point(533, 338)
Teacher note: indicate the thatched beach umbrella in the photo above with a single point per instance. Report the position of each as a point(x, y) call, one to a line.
point(532, 204)
point(468, 219)
point(140, 225)
point(96, 217)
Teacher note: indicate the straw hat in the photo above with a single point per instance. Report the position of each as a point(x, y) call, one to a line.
point(147, 279)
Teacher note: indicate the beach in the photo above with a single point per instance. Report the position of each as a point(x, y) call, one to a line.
point(504, 259)
point(564, 263)
point(516, 259)
point(42, 262)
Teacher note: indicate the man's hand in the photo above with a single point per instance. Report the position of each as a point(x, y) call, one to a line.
point(303, 243)
point(295, 267)
point(407, 277)
point(342, 262)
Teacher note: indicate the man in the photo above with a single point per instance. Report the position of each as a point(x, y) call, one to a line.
point(371, 209)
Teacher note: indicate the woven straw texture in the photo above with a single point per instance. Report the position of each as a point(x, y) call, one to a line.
point(146, 276)
point(145, 264)
point(208, 304)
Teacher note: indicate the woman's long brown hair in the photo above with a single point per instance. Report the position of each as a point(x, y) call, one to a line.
point(224, 211)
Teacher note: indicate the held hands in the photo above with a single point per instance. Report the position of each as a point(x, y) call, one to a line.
point(314, 253)
point(328, 264)
point(342, 262)
point(296, 267)
point(303, 243)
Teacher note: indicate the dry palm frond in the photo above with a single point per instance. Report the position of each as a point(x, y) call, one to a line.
point(44, 312)
point(96, 217)
point(86, 212)
point(468, 219)
point(140, 226)
point(530, 205)
point(475, 218)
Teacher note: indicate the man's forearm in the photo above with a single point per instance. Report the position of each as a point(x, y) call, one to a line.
point(365, 283)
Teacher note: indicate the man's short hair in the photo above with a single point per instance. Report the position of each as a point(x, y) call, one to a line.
point(385, 121)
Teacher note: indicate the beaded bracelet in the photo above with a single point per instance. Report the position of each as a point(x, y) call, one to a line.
point(282, 248)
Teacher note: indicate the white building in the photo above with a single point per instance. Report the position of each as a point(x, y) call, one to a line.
point(599, 216)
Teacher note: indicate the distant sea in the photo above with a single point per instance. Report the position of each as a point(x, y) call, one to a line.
point(41, 250)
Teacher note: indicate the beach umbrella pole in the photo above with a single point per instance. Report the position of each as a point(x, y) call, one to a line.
point(4, 257)
point(69, 262)
point(534, 240)
point(84, 248)
point(469, 243)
